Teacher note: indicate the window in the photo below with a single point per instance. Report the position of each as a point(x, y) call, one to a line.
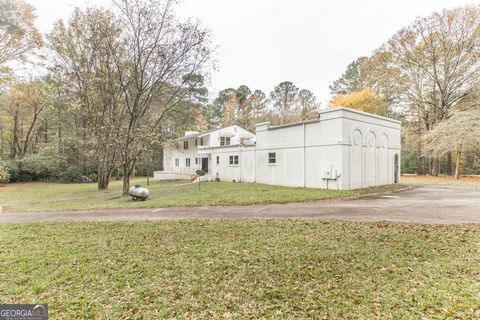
point(196, 142)
point(224, 141)
point(233, 160)
point(185, 145)
point(218, 160)
point(272, 158)
point(196, 160)
point(201, 141)
point(177, 162)
point(243, 140)
point(187, 162)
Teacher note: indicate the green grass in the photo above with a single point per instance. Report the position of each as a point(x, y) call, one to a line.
point(39, 196)
point(244, 269)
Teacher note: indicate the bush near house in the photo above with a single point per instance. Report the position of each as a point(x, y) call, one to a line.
point(4, 174)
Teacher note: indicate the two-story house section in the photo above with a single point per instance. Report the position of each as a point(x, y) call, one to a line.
point(193, 151)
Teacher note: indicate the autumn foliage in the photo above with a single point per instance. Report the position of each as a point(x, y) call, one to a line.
point(364, 100)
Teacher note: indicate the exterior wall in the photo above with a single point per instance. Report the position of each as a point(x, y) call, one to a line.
point(303, 152)
point(196, 150)
point(235, 132)
point(371, 144)
point(244, 171)
point(344, 149)
point(171, 152)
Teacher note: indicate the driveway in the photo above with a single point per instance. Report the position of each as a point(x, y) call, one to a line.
point(423, 204)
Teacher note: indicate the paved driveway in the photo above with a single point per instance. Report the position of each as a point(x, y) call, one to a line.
point(427, 204)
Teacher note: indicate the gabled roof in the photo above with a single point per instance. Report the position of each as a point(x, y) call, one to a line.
point(195, 135)
point(202, 134)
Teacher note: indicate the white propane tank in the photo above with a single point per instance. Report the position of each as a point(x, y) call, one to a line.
point(138, 192)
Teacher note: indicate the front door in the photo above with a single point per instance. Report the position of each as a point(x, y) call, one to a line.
point(205, 164)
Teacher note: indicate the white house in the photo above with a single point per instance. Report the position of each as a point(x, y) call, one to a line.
point(183, 156)
point(342, 149)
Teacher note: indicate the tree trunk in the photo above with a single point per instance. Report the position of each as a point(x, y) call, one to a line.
point(126, 180)
point(457, 165)
point(15, 143)
point(434, 167)
point(45, 132)
point(103, 176)
point(449, 163)
point(103, 181)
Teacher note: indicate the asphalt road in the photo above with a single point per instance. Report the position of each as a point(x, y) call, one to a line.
point(424, 204)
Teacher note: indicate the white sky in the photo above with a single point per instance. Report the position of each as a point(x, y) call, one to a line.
point(263, 42)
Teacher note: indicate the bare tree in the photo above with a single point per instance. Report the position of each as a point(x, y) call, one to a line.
point(160, 55)
point(86, 54)
point(435, 62)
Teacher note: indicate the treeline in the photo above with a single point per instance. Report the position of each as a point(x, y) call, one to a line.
point(428, 76)
point(103, 91)
point(286, 103)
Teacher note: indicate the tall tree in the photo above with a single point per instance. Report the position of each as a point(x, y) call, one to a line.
point(259, 103)
point(189, 114)
point(437, 63)
point(86, 51)
point(160, 55)
point(25, 106)
point(243, 94)
point(284, 97)
point(229, 107)
point(307, 105)
point(215, 110)
point(18, 34)
point(352, 80)
point(380, 77)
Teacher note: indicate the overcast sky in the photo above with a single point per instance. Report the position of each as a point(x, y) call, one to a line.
point(263, 42)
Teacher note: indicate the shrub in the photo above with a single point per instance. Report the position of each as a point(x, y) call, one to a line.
point(43, 166)
point(70, 174)
point(4, 174)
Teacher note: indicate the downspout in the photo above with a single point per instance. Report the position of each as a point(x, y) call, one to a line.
point(240, 162)
point(255, 163)
point(304, 156)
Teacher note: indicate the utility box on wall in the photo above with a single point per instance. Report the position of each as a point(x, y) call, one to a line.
point(330, 173)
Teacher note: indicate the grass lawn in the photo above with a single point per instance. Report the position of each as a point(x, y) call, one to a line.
point(57, 197)
point(244, 269)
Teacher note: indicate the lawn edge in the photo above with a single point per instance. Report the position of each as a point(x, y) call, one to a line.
point(359, 196)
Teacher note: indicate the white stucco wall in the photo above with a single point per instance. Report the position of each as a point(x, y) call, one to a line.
point(372, 143)
point(357, 148)
point(175, 150)
point(171, 152)
point(303, 152)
